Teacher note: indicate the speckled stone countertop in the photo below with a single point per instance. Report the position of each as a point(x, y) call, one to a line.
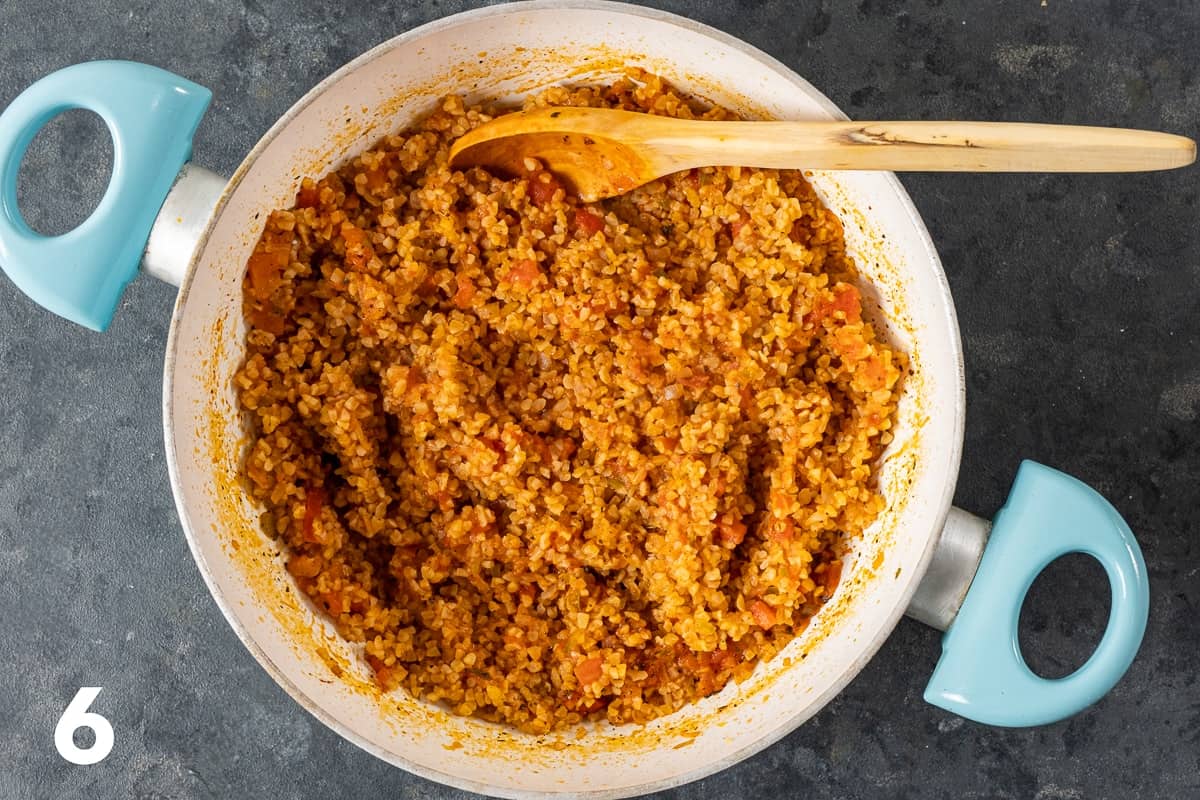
point(1077, 297)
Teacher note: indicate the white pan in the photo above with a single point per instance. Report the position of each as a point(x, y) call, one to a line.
point(192, 228)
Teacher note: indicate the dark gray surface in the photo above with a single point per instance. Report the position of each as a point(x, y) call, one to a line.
point(1077, 298)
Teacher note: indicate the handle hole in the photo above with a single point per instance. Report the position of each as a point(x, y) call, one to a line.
point(1064, 615)
point(65, 172)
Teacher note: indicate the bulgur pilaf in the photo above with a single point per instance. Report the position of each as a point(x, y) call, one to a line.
point(550, 461)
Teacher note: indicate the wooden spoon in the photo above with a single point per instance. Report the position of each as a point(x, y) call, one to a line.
point(602, 153)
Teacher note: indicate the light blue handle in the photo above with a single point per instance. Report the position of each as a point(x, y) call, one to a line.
point(152, 116)
point(982, 675)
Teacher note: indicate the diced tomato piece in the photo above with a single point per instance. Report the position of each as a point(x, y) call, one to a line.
point(542, 186)
point(847, 300)
point(354, 236)
point(537, 445)
point(444, 500)
point(588, 671)
point(496, 446)
point(830, 577)
point(730, 533)
point(314, 501)
point(358, 246)
point(588, 222)
point(524, 273)
point(597, 705)
point(309, 195)
point(334, 602)
point(723, 659)
point(377, 180)
point(763, 614)
point(849, 344)
point(266, 265)
point(267, 320)
point(383, 673)
point(873, 372)
point(428, 286)
point(465, 296)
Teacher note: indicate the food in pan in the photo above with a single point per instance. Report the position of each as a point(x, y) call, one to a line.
point(550, 461)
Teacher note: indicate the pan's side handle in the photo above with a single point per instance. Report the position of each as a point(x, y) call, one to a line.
point(152, 116)
point(982, 674)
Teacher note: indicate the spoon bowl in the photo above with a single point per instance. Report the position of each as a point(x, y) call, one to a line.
point(594, 154)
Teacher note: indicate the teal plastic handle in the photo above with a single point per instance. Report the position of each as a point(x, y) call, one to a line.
point(152, 115)
point(982, 675)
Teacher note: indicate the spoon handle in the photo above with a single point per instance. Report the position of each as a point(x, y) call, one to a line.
point(925, 146)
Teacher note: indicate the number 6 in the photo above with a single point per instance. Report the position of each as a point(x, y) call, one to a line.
point(77, 716)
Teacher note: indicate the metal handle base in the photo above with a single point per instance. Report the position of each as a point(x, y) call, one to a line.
point(955, 561)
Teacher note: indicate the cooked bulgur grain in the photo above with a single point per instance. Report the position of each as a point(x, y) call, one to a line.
point(549, 461)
